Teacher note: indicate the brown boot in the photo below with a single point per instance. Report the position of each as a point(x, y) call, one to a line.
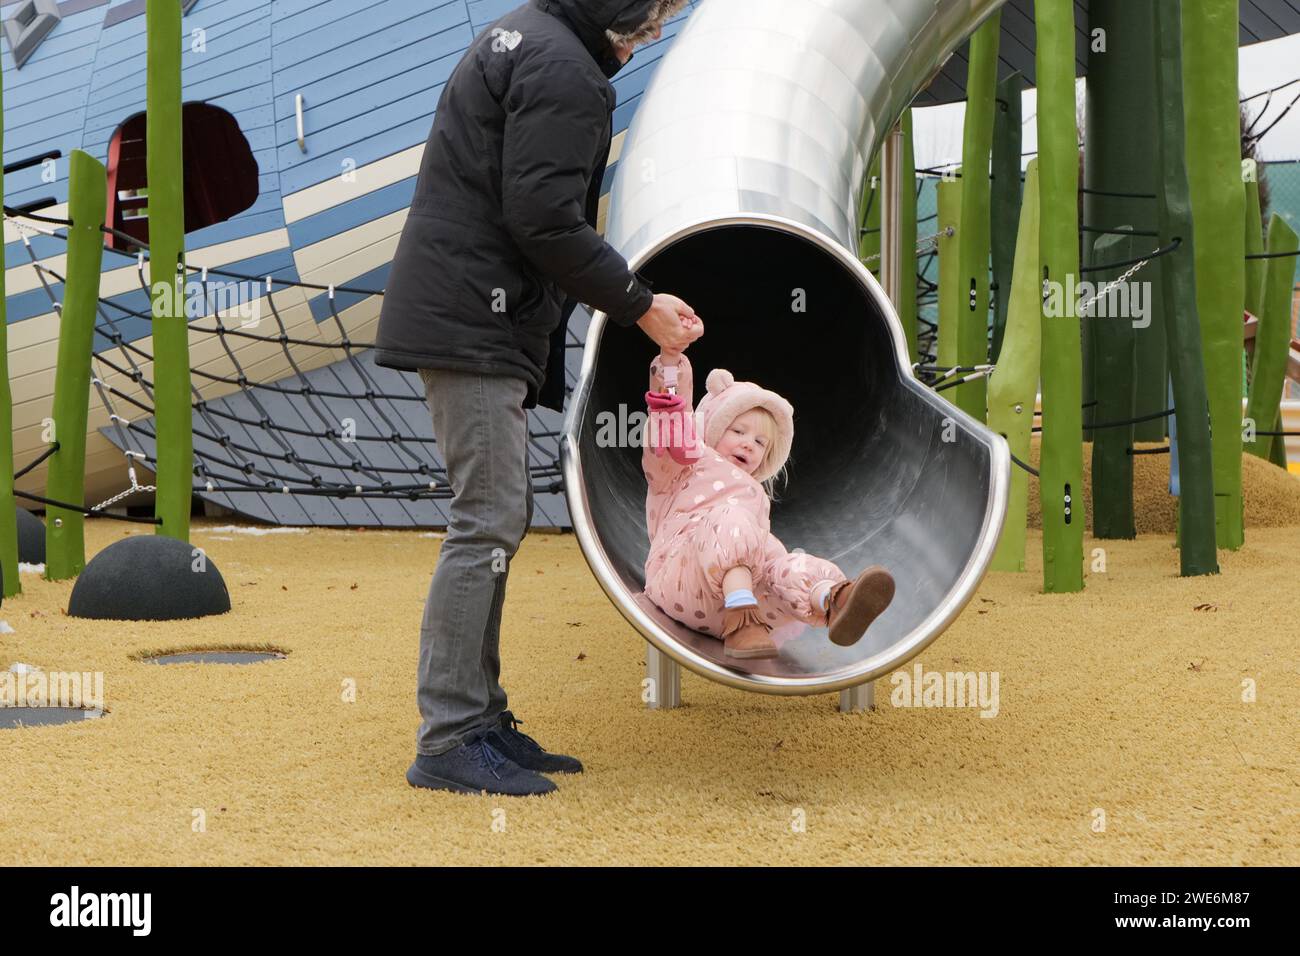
point(853, 605)
point(745, 635)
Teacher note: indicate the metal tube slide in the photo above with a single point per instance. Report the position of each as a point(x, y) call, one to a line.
point(737, 189)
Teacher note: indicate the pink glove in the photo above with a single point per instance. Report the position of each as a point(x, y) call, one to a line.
point(669, 421)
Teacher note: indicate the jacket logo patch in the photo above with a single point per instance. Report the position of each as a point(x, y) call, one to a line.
point(630, 284)
point(503, 40)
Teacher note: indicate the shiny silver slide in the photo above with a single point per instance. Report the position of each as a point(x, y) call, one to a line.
point(737, 190)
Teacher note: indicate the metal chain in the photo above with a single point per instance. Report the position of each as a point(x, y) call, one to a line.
point(135, 485)
point(1104, 290)
point(920, 243)
point(27, 229)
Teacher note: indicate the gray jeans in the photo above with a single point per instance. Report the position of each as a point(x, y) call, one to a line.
point(482, 433)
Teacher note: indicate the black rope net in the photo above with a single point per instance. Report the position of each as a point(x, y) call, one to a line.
point(348, 448)
point(366, 448)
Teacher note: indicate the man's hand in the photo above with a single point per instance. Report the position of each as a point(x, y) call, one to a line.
point(671, 324)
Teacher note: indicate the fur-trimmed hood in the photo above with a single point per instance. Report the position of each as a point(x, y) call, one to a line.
point(728, 399)
point(596, 20)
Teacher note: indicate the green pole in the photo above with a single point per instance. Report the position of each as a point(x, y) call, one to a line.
point(1254, 245)
point(1004, 214)
point(1120, 182)
point(1013, 385)
point(1255, 272)
point(65, 544)
point(973, 240)
point(907, 240)
point(1115, 357)
point(1213, 121)
point(9, 583)
point(172, 419)
point(1060, 483)
point(1272, 339)
point(869, 219)
point(1277, 450)
point(948, 202)
point(1183, 330)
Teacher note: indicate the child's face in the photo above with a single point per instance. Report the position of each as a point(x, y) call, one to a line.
point(744, 443)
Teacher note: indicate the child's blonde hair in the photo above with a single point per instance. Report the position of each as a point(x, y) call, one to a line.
point(768, 428)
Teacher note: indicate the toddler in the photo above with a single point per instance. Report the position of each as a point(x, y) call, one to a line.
point(714, 564)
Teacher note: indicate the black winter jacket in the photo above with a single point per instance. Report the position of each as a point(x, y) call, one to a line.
point(500, 244)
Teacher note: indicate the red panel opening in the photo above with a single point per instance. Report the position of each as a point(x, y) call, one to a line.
point(218, 165)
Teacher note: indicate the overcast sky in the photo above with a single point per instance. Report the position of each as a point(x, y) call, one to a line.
point(938, 129)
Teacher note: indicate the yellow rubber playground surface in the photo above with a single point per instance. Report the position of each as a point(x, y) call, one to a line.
point(1121, 735)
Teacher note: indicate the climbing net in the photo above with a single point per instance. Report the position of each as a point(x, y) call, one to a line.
point(369, 451)
point(228, 458)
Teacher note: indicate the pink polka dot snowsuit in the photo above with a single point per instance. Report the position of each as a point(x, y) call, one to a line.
point(708, 516)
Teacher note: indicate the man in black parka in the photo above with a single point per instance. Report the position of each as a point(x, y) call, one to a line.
point(498, 249)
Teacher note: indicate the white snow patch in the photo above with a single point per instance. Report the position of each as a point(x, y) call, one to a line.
point(5, 628)
point(252, 529)
point(434, 534)
point(18, 667)
point(25, 568)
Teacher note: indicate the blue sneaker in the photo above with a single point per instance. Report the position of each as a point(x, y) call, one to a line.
point(476, 767)
point(527, 752)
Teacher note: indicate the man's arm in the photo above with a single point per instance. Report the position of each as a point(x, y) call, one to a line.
point(555, 118)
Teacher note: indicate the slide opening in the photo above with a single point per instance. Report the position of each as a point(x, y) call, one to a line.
point(870, 478)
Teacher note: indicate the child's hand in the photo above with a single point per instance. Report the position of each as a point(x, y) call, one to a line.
point(671, 323)
point(689, 324)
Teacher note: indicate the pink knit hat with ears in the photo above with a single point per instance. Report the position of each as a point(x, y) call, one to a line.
point(728, 399)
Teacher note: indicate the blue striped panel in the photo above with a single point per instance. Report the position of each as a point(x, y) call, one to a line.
point(260, 142)
point(339, 24)
point(425, 33)
point(122, 50)
point(410, 46)
point(205, 77)
point(62, 131)
point(348, 215)
point(227, 92)
point(251, 107)
point(278, 263)
point(374, 279)
point(247, 223)
point(261, 138)
point(284, 9)
point(484, 12)
point(252, 113)
point(294, 24)
point(32, 188)
point(44, 109)
point(408, 92)
point(369, 90)
point(74, 75)
point(43, 246)
point(58, 48)
point(73, 39)
point(34, 302)
point(368, 138)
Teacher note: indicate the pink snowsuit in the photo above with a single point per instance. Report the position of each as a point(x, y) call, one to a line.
point(707, 516)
